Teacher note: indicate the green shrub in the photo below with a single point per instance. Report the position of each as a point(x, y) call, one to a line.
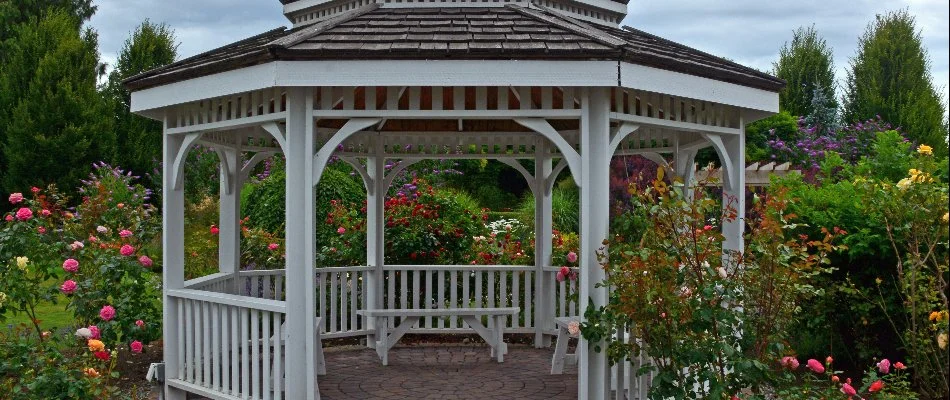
point(565, 207)
point(265, 202)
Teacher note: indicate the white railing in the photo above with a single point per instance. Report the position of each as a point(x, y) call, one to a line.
point(229, 346)
point(341, 291)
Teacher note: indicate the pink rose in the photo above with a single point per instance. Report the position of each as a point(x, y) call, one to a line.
point(24, 214)
point(35, 189)
point(93, 239)
point(139, 323)
point(572, 257)
point(41, 230)
point(215, 230)
point(125, 233)
point(71, 265)
point(884, 366)
point(68, 287)
point(816, 366)
point(46, 212)
point(136, 346)
point(707, 227)
point(790, 362)
point(145, 261)
point(76, 245)
point(94, 331)
point(899, 365)
point(273, 246)
point(9, 218)
point(560, 276)
point(107, 313)
point(848, 390)
point(16, 198)
point(127, 250)
point(341, 230)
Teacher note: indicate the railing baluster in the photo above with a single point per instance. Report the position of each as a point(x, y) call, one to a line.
point(266, 344)
point(453, 296)
point(515, 295)
point(278, 362)
point(441, 297)
point(206, 344)
point(344, 301)
point(354, 304)
point(245, 352)
point(334, 324)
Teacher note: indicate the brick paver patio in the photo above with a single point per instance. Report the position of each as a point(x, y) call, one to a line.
point(445, 372)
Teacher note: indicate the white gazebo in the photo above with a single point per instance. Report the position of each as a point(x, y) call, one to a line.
point(554, 81)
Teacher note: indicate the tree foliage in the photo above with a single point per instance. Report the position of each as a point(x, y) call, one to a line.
point(52, 115)
point(807, 65)
point(138, 138)
point(890, 77)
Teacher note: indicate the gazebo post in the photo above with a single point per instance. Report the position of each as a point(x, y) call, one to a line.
point(734, 189)
point(300, 345)
point(229, 219)
point(544, 293)
point(375, 235)
point(594, 184)
point(173, 257)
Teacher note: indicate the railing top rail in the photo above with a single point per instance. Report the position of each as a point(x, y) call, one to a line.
point(557, 268)
point(207, 279)
point(465, 267)
point(230, 299)
point(263, 272)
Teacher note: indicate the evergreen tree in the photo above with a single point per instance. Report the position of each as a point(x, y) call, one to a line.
point(55, 128)
point(15, 12)
point(890, 77)
point(139, 139)
point(807, 65)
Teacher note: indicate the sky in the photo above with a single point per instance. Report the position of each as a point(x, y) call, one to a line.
point(750, 32)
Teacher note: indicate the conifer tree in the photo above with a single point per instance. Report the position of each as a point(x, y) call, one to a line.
point(890, 77)
point(139, 139)
point(55, 128)
point(807, 65)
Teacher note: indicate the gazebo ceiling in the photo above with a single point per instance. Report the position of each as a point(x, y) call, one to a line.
point(512, 32)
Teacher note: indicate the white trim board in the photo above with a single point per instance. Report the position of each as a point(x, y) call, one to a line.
point(452, 73)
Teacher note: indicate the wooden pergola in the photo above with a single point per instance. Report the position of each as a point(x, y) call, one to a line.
point(552, 81)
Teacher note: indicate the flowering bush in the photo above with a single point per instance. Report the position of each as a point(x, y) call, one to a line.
point(914, 212)
point(51, 366)
point(818, 380)
point(813, 144)
point(685, 298)
point(432, 227)
point(508, 242)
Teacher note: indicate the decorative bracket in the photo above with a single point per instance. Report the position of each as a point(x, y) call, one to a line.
point(544, 128)
point(178, 170)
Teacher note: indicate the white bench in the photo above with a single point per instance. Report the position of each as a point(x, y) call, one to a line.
point(560, 349)
point(411, 316)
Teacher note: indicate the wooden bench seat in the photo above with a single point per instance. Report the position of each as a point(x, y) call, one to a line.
point(411, 316)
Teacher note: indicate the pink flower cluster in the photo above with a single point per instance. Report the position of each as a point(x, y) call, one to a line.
point(566, 273)
point(24, 214)
point(16, 198)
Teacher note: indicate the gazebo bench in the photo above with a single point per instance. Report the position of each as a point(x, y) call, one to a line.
point(411, 316)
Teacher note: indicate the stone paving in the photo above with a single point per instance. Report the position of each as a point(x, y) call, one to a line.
point(445, 372)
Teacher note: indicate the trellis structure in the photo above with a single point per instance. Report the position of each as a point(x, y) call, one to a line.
point(376, 80)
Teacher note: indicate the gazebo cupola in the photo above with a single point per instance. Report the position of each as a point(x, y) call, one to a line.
point(604, 12)
point(382, 84)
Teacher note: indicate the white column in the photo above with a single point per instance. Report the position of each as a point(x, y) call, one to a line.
point(683, 164)
point(375, 235)
point(734, 189)
point(173, 258)
point(229, 219)
point(595, 191)
point(544, 283)
point(300, 344)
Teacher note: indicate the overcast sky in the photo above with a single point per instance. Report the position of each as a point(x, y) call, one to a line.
point(750, 32)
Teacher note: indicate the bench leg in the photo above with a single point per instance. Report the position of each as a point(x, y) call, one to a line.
point(382, 344)
point(321, 361)
point(501, 348)
point(560, 351)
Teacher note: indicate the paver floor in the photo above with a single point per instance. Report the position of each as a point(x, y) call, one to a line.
point(445, 372)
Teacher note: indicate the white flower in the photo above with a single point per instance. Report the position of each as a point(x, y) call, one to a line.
point(102, 229)
point(722, 272)
point(76, 245)
point(21, 262)
point(3, 298)
point(84, 333)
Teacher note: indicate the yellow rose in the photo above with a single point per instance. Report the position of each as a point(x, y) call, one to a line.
point(942, 341)
point(925, 150)
point(905, 183)
point(3, 298)
point(95, 345)
point(21, 262)
point(91, 372)
point(946, 217)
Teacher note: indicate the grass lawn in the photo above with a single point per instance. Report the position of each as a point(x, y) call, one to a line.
point(50, 315)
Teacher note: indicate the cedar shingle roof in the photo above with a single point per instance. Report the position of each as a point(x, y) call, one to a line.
point(511, 32)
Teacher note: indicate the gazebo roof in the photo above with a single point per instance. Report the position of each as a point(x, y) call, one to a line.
point(465, 33)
